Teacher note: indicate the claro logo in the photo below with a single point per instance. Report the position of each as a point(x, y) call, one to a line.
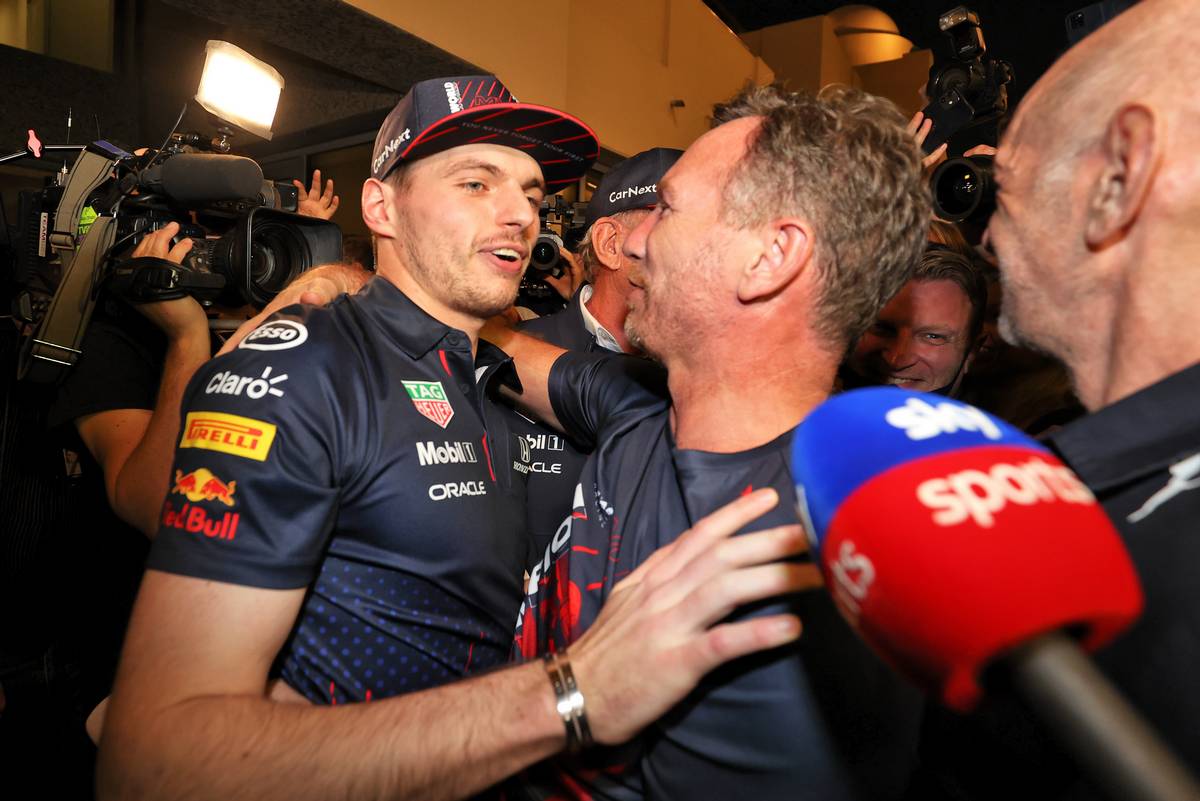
point(978, 496)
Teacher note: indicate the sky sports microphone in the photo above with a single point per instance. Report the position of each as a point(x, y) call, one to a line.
point(952, 541)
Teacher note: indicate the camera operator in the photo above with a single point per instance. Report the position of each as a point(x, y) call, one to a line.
point(123, 394)
point(118, 409)
point(927, 335)
point(593, 321)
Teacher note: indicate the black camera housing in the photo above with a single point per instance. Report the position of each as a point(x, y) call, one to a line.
point(75, 236)
point(963, 190)
point(967, 89)
point(562, 227)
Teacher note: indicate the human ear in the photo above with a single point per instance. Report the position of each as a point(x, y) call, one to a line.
point(377, 208)
point(1129, 150)
point(787, 249)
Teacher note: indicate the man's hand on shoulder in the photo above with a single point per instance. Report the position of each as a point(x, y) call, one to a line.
point(660, 631)
point(316, 287)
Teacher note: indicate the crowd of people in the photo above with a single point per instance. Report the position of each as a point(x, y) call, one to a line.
point(403, 548)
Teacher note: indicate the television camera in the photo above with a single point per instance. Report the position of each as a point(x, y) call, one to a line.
point(74, 236)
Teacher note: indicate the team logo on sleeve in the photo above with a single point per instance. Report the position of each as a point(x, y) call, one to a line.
point(228, 433)
point(430, 399)
point(202, 485)
point(227, 382)
point(276, 335)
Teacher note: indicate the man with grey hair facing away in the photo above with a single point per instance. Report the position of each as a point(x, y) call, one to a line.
point(777, 238)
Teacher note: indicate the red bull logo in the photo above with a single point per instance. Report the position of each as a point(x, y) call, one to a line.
point(197, 520)
point(201, 485)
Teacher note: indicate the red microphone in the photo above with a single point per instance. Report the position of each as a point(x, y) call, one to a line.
point(952, 542)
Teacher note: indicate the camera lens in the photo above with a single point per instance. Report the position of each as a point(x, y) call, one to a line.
point(1077, 21)
point(544, 256)
point(963, 189)
point(277, 255)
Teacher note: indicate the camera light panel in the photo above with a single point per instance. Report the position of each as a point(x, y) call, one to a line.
point(239, 88)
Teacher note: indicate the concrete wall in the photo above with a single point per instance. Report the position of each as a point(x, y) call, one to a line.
point(901, 80)
point(616, 65)
point(807, 54)
point(804, 54)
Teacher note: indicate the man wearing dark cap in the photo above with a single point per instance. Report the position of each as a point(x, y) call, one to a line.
point(593, 321)
point(346, 518)
point(595, 318)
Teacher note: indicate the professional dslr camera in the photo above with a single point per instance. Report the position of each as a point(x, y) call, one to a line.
point(966, 91)
point(969, 88)
point(562, 226)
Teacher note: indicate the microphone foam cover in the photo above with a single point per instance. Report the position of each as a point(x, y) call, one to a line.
point(202, 178)
point(947, 537)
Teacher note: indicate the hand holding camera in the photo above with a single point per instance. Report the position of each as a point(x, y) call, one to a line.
point(180, 317)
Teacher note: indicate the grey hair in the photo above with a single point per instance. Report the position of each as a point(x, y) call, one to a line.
point(843, 160)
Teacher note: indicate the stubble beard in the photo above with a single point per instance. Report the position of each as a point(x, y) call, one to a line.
point(449, 276)
point(636, 328)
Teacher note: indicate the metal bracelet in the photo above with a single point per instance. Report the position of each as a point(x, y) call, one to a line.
point(577, 703)
point(568, 702)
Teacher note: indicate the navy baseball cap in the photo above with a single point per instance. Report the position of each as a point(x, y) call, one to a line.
point(442, 113)
point(631, 184)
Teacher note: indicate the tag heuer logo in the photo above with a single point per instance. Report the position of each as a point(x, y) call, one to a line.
point(430, 400)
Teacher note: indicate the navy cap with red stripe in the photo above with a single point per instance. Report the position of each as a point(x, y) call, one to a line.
point(631, 184)
point(442, 113)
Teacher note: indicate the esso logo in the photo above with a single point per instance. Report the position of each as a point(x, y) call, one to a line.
point(978, 496)
point(276, 335)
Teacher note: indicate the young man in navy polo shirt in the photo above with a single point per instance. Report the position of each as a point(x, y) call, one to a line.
point(346, 519)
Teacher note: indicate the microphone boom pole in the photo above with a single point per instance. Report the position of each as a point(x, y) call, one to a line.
point(1095, 723)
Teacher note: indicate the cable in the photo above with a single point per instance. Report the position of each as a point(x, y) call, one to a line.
point(162, 147)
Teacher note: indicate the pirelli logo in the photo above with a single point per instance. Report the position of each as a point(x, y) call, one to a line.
point(228, 433)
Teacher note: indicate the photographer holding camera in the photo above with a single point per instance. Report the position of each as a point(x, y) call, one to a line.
point(118, 411)
point(593, 321)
